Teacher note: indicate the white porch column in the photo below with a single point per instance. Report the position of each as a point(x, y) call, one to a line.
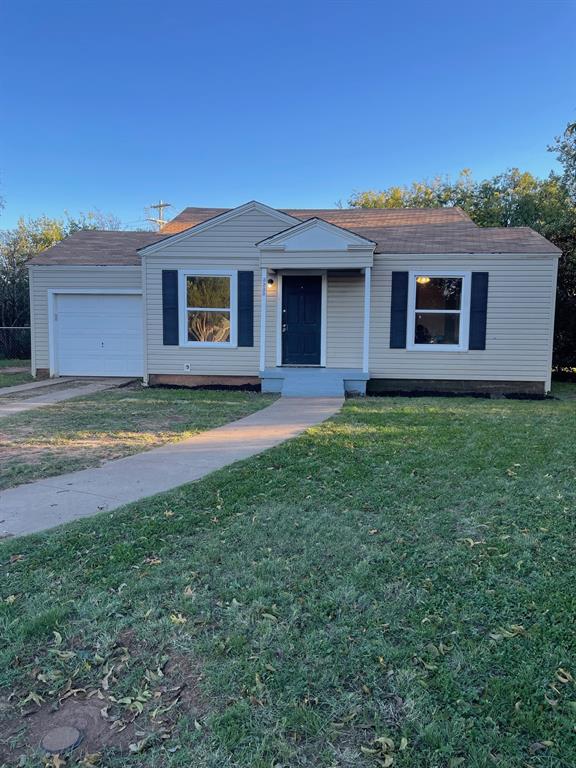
point(367, 299)
point(263, 312)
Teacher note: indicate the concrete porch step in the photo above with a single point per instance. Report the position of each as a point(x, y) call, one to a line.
point(313, 382)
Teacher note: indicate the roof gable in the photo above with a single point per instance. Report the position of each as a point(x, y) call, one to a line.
point(217, 220)
point(316, 235)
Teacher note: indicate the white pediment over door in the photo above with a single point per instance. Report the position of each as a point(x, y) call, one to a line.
point(316, 235)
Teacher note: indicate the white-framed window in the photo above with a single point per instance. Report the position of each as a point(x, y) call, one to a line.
point(438, 311)
point(208, 308)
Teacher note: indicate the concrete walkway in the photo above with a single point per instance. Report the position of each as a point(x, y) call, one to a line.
point(15, 369)
point(55, 500)
point(56, 392)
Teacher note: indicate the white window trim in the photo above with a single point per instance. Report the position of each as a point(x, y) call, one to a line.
point(464, 332)
point(183, 274)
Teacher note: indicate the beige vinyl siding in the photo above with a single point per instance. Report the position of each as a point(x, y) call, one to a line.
point(229, 245)
point(44, 278)
point(342, 259)
point(519, 321)
point(345, 321)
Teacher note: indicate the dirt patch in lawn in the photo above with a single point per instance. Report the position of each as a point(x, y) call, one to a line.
point(24, 734)
point(107, 723)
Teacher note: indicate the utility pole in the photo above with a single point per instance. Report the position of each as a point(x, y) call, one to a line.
point(159, 220)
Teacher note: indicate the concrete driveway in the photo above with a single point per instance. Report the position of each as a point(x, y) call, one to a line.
point(39, 394)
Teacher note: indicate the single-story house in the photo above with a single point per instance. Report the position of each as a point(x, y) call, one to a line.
point(301, 302)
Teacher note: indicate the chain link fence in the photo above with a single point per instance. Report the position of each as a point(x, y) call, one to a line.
point(15, 342)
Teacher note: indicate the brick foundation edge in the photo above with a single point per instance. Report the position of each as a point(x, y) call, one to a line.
point(535, 389)
point(186, 380)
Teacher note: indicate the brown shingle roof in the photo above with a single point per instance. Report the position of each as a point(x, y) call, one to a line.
point(98, 247)
point(343, 217)
point(457, 238)
point(394, 230)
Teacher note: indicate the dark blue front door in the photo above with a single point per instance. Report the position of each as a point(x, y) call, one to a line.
point(301, 319)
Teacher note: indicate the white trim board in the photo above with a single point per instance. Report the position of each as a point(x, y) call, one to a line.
point(74, 267)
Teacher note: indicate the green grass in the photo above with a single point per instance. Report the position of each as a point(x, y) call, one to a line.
point(85, 431)
point(405, 570)
point(11, 379)
point(14, 363)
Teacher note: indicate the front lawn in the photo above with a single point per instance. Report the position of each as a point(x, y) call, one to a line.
point(394, 588)
point(85, 431)
point(11, 379)
point(20, 377)
point(13, 362)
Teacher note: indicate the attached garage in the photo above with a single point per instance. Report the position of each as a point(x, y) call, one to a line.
point(96, 334)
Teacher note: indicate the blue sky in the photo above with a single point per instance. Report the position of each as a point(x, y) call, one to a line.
point(112, 104)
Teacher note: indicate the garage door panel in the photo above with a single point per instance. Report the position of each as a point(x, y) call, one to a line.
point(99, 335)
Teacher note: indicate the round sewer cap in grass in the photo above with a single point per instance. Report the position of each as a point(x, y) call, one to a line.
point(61, 739)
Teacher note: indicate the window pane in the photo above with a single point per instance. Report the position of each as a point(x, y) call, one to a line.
point(209, 326)
point(208, 291)
point(437, 328)
point(438, 292)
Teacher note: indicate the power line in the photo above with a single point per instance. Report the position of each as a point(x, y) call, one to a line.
point(159, 220)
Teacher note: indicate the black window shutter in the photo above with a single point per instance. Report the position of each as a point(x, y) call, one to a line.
point(245, 309)
point(478, 310)
point(399, 310)
point(170, 307)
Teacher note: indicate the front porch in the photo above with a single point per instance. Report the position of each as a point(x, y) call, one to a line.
point(315, 311)
point(291, 381)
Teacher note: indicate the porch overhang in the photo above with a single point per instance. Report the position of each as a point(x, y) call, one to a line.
point(278, 260)
point(316, 244)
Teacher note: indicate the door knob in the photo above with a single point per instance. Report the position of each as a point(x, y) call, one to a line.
point(284, 326)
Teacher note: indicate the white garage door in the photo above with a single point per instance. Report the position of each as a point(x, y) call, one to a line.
point(98, 335)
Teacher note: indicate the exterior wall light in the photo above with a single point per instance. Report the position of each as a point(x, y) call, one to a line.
point(422, 279)
point(270, 281)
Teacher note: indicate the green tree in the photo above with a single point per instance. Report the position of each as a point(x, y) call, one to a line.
point(17, 246)
point(512, 199)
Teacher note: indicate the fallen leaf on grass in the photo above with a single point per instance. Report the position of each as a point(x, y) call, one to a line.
point(178, 618)
point(32, 696)
point(105, 682)
point(539, 746)
point(508, 632)
point(92, 758)
point(563, 676)
point(10, 599)
point(382, 748)
point(55, 761)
